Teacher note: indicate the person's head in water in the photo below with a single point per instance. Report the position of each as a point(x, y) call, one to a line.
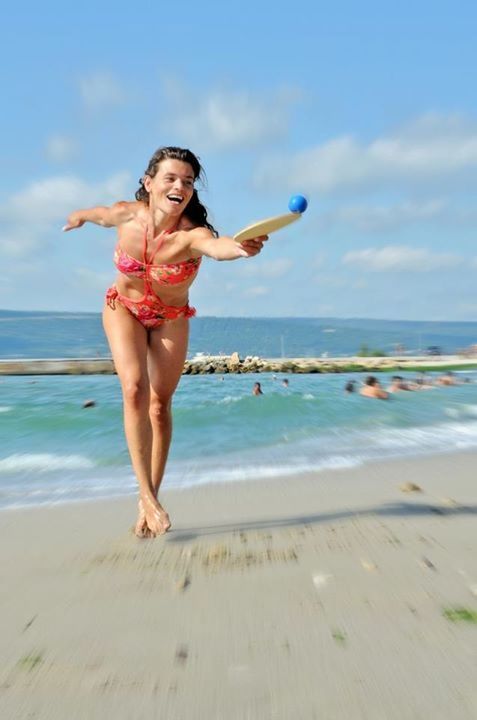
point(349, 387)
point(372, 389)
point(257, 389)
point(285, 382)
point(168, 183)
point(371, 381)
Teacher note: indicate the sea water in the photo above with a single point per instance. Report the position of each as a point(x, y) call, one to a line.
point(68, 335)
point(52, 449)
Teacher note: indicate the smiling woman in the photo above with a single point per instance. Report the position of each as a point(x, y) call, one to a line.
point(161, 240)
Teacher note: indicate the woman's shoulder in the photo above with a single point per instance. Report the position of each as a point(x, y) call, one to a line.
point(189, 230)
point(126, 211)
point(186, 224)
point(188, 234)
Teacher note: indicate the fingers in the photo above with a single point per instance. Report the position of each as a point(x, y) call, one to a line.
point(73, 221)
point(253, 247)
point(71, 226)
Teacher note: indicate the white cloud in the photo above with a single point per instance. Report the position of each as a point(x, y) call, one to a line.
point(60, 148)
point(101, 90)
point(257, 291)
point(331, 280)
point(400, 258)
point(90, 280)
point(385, 219)
point(267, 268)
point(228, 118)
point(433, 148)
point(27, 216)
point(18, 242)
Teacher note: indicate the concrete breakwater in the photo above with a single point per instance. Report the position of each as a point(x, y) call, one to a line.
point(223, 364)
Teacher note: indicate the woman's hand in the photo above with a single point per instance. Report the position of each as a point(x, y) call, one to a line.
point(254, 246)
point(75, 220)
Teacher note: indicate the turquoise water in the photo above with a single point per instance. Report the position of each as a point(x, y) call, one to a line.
point(54, 450)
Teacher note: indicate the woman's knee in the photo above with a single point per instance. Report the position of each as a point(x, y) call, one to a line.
point(135, 392)
point(160, 409)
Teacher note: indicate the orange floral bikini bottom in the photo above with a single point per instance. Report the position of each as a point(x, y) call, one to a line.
point(149, 310)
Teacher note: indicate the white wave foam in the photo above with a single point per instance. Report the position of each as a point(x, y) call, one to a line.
point(471, 410)
point(447, 435)
point(5, 408)
point(229, 399)
point(462, 411)
point(44, 462)
point(453, 412)
point(257, 471)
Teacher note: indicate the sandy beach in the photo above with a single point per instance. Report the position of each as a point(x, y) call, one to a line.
point(324, 596)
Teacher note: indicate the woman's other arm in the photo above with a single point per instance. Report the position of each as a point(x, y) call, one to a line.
point(112, 216)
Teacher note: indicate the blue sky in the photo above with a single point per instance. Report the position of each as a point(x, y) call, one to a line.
point(368, 109)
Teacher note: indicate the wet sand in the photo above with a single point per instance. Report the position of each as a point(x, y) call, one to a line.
point(325, 596)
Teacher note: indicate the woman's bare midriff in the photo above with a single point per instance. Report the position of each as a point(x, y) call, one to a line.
point(133, 288)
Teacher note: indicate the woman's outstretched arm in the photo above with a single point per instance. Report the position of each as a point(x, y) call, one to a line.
point(112, 216)
point(202, 242)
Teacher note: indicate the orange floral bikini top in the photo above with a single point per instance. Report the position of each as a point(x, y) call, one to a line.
point(164, 274)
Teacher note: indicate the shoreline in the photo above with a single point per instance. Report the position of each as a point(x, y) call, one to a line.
point(304, 597)
point(234, 364)
point(269, 483)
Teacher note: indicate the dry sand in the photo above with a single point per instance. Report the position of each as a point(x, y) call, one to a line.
point(315, 597)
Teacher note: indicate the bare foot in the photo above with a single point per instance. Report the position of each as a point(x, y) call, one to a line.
point(152, 519)
point(141, 529)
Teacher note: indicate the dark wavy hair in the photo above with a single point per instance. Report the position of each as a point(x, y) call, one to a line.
point(195, 211)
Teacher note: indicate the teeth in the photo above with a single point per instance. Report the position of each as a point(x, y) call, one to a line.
point(175, 198)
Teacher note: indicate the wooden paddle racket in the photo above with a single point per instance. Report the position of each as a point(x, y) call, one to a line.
point(265, 227)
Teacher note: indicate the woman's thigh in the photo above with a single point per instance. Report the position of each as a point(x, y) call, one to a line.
point(167, 353)
point(128, 341)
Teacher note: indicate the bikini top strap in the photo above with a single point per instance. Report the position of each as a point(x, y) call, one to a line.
point(160, 240)
point(144, 247)
point(148, 263)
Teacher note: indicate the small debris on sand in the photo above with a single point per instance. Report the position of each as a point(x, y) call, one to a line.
point(449, 502)
point(320, 580)
point(409, 487)
point(369, 566)
point(427, 563)
point(182, 653)
point(183, 583)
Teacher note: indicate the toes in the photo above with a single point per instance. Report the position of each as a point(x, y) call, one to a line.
point(142, 530)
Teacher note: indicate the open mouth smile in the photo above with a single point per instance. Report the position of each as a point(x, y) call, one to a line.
point(176, 199)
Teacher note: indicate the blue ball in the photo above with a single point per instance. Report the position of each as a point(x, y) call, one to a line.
point(297, 204)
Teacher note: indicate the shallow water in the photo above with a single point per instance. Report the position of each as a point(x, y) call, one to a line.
point(54, 450)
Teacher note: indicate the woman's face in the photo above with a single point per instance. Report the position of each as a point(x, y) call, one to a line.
point(171, 187)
